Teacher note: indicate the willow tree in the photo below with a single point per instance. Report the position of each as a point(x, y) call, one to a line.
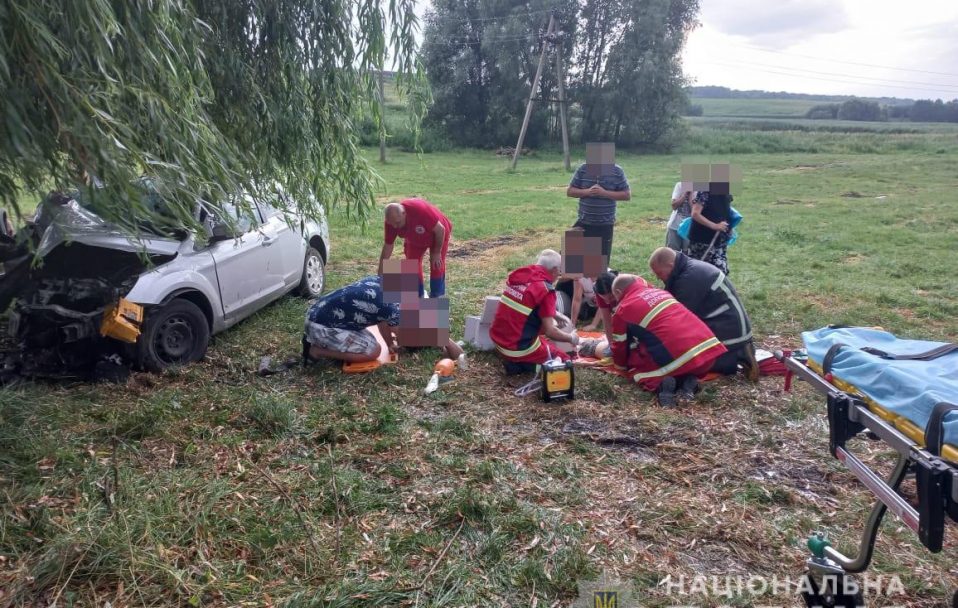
point(212, 97)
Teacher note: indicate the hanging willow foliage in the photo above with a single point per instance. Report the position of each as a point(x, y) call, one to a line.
point(211, 97)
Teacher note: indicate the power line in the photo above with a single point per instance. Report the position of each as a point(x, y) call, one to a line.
point(456, 43)
point(485, 19)
point(936, 85)
point(794, 75)
point(833, 60)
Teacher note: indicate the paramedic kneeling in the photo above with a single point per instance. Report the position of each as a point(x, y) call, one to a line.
point(660, 342)
point(336, 324)
point(710, 295)
point(526, 317)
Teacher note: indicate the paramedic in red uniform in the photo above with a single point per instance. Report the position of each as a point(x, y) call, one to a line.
point(422, 228)
point(526, 317)
point(659, 341)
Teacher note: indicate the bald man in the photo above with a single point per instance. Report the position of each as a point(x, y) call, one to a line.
point(664, 347)
point(422, 228)
point(710, 295)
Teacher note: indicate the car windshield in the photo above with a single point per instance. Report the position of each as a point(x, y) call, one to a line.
point(149, 198)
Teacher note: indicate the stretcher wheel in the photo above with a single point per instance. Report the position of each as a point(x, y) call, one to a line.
point(832, 592)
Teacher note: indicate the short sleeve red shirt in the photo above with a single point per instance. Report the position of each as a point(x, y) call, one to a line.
point(421, 220)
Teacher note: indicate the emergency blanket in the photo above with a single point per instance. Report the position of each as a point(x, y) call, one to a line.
point(901, 391)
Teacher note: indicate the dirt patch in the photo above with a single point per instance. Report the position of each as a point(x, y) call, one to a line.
point(788, 201)
point(853, 194)
point(473, 247)
point(808, 479)
point(713, 559)
point(476, 191)
point(906, 313)
point(805, 168)
point(613, 436)
point(854, 259)
point(157, 454)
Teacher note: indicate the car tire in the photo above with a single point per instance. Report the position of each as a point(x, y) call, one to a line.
point(175, 333)
point(313, 282)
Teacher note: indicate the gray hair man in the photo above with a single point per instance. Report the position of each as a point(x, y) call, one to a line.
point(525, 320)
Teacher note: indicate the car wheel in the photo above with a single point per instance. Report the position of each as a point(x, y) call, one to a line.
point(175, 333)
point(314, 275)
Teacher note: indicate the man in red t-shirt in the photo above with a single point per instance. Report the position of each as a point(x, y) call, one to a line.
point(422, 228)
point(526, 317)
point(658, 340)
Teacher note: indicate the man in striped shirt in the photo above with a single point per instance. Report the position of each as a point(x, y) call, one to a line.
point(599, 184)
point(659, 341)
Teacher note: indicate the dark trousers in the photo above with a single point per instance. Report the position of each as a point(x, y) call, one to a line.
point(727, 364)
point(604, 231)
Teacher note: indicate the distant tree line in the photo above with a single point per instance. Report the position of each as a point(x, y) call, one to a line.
point(923, 110)
point(926, 110)
point(621, 59)
point(715, 92)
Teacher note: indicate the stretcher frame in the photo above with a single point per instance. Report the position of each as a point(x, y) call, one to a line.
point(849, 416)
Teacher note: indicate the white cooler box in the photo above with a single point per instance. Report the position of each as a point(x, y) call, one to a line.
point(477, 328)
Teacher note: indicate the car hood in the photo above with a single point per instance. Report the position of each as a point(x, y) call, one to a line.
point(69, 222)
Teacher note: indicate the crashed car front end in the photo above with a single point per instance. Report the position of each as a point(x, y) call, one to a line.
point(69, 318)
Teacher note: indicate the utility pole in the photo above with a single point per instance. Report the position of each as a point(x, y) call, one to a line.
point(562, 116)
point(535, 85)
point(382, 116)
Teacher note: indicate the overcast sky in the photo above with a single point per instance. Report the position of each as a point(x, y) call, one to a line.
point(875, 48)
point(861, 47)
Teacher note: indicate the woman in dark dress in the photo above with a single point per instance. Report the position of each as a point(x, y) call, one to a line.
point(710, 230)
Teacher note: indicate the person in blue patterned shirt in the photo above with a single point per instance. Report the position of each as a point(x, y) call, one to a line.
point(336, 324)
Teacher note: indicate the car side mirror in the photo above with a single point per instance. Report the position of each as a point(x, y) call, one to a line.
point(218, 230)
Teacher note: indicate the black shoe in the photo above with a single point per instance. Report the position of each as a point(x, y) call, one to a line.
point(687, 388)
point(306, 357)
point(514, 369)
point(749, 363)
point(667, 392)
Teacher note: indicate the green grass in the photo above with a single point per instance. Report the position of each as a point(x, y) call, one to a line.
point(765, 108)
point(212, 486)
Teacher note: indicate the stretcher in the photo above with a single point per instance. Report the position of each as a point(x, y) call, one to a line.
point(901, 392)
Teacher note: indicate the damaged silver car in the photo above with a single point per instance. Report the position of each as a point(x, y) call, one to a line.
point(87, 298)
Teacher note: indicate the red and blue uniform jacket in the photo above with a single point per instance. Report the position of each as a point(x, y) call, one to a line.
point(528, 298)
point(654, 336)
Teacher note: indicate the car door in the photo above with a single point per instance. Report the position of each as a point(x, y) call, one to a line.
point(288, 246)
point(241, 266)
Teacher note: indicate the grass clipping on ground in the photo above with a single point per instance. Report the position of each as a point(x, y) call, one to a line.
point(212, 486)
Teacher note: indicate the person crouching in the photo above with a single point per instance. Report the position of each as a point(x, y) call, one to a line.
point(336, 324)
point(525, 319)
point(663, 346)
point(709, 294)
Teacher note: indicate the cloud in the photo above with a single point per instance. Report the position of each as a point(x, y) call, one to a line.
point(775, 24)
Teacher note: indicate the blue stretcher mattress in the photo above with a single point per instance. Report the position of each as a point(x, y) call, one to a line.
point(905, 389)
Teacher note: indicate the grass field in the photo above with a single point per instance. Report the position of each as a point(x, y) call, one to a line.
point(756, 108)
point(211, 486)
